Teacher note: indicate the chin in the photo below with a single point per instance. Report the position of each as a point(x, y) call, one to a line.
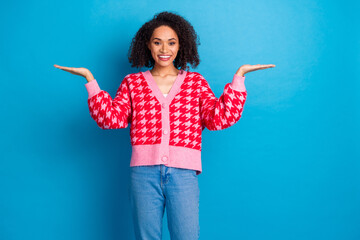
point(165, 64)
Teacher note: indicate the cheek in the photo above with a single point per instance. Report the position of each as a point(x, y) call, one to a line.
point(154, 53)
point(175, 50)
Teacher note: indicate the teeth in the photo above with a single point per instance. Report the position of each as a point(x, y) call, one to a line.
point(164, 56)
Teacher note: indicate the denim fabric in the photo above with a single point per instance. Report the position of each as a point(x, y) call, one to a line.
point(154, 187)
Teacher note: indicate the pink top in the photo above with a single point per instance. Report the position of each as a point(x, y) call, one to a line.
point(167, 129)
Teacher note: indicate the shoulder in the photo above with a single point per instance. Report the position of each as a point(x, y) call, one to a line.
point(194, 75)
point(197, 77)
point(132, 78)
point(134, 75)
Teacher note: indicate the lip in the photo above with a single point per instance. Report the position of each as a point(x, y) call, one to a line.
point(166, 59)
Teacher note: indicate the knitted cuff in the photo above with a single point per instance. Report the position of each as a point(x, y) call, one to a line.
point(92, 88)
point(238, 83)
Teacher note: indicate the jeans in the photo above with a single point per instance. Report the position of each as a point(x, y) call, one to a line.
point(154, 187)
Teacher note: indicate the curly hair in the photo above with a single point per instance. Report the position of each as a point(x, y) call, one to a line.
point(139, 55)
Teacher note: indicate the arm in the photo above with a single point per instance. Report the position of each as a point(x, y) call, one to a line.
point(109, 113)
point(225, 111)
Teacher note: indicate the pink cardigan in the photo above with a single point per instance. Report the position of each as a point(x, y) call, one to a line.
point(167, 130)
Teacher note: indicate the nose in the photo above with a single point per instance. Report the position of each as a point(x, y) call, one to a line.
point(164, 48)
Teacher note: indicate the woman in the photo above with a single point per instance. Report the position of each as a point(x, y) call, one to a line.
point(167, 107)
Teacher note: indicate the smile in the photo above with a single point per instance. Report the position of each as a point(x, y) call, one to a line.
point(164, 58)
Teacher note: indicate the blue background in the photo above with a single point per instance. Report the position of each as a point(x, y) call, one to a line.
point(289, 169)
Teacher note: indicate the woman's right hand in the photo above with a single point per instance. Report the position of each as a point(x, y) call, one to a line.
point(78, 71)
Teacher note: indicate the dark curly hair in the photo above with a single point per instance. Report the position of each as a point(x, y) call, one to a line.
point(139, 55)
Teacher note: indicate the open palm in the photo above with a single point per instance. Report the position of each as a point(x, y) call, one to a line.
point(250, 68)
point(77, 71)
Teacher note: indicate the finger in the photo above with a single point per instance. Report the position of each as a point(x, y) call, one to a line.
point(58, 66)
point(66, 68)
point(268, 65)
point(258, 66)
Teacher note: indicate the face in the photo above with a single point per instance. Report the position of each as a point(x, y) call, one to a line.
point(164, 45)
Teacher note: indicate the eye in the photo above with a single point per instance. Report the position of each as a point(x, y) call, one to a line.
point(172, 43)
point(156, 43)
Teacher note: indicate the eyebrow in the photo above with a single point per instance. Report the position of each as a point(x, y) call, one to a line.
point(169, 39)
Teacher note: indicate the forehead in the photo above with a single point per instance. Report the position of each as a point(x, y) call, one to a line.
point(164, 33)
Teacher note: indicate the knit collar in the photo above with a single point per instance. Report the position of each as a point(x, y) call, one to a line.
point(156, 90)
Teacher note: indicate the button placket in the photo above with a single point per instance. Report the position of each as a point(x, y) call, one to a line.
point(164, 158)
point(164, 146)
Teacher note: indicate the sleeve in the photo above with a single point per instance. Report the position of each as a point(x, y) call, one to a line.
point(109, 113)
point(225, 111)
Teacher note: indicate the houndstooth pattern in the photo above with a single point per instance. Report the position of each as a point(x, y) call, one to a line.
point(193, 108)
point(146, 118)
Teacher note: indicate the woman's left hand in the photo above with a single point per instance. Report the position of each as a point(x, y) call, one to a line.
point(250, 68)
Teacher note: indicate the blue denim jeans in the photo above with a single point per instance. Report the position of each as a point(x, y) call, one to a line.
point(152, 188)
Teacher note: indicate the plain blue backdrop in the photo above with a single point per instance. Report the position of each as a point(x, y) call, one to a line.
point(289, 169)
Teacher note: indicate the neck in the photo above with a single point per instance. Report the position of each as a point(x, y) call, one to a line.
point(164, 71)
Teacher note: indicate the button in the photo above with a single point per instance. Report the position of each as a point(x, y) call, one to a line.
point(165, 131)
point(164, 158)
point(163, 105)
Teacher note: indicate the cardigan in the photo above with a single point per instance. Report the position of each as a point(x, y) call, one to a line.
point(167, 130)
